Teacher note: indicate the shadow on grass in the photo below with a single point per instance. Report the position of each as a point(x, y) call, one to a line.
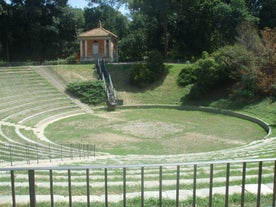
point(220, 97)
point(120, 77)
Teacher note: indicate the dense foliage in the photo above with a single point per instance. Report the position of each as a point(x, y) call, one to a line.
point(153, 70)
point(47, 29)
point(90, 92)
point(38, 29)
point(249, 67)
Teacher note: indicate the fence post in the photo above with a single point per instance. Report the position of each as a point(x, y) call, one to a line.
point(194, 186)
point(243, 183)
point(177, 185)
point(13, 189)
point(51, 188)
point(160, 185)
point(211, 185)
point(124, 187)
point(106, 187)
point(69, 188)
point(142, 186)
point(274, 187)
point(31, 175)
point(88, 187)
point(10, 154)
point(227, 184)
point(259, 183)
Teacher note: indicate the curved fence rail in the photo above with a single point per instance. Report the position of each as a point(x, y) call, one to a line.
point(35, 153)
point(251, 182)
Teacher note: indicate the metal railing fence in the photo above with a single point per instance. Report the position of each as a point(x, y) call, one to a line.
point(34, 153)
point(189, 180)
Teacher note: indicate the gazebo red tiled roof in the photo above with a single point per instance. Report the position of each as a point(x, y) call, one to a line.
point(97, 32)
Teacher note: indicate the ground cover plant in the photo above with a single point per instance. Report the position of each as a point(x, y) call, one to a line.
point(89, 92)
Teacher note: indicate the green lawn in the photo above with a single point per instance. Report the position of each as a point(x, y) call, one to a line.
point(155, 131)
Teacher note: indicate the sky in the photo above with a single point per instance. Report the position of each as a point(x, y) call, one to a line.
point(78, 3)
point(73, 3)
point(82, 4)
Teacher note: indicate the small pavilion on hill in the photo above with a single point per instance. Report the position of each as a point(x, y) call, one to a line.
point(98, 43)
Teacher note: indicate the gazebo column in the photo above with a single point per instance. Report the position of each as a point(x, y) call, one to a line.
point(110, 51)
point(85, 48)
point(105, 48)
point(81, 49)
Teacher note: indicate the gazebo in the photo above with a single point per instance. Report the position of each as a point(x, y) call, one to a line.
point(98, 43)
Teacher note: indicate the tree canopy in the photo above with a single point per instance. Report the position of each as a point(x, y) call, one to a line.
point(47, 29)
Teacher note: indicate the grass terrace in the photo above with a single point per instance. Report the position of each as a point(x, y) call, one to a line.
point(33, 110)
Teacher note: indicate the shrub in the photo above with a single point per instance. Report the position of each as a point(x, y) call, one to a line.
point(247, 86)
point(141, 75)
point(204, 73)
point(233, 59)
point(90, 92)
point(156, 65)
point(72, 59)
point(187, 75)
point(145, 74)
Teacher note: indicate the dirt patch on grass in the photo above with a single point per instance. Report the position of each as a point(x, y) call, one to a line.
point(111, 141)
point(149, 129)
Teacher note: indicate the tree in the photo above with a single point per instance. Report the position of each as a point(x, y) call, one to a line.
point(268, 14)
point(112, 19)
point(40, 29)
point(4, 32)
point(135, 44)
point(112, 3)
point(157, 13)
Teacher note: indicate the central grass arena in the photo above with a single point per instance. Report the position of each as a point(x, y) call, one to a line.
point(155, 131)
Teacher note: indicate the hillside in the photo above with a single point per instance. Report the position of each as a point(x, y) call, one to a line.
point(166, 91)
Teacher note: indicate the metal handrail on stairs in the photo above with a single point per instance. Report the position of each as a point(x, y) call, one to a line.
point(108, 85)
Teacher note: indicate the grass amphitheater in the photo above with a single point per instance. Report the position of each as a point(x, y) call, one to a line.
point(153, 151)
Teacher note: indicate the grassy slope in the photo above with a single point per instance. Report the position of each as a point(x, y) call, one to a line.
point(167, 91)
point(162, 92)
point(73, 73)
